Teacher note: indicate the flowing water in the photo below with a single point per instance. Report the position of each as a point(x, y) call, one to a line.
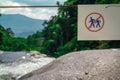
point(8, 57)
point(15, 65)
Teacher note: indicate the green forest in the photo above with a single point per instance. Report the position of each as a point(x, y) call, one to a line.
point(59, 35)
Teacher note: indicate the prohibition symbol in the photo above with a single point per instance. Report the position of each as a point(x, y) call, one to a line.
point(94, 22)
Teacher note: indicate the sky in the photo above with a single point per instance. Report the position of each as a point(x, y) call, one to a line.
point(36, 13)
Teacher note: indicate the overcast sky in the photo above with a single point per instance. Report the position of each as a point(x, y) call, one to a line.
point(38, 13)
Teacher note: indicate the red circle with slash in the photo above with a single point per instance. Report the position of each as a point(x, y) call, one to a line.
point(91, 26)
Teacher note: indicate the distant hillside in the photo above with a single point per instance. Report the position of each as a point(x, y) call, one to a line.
point(21, 25)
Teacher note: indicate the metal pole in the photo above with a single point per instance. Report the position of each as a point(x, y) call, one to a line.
point(35, 6)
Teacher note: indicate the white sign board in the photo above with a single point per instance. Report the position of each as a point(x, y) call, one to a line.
point(98, 22)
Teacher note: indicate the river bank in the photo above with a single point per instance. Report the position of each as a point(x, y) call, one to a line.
point(17, 64)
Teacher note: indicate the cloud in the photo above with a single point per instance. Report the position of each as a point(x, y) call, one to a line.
point(40, 13)
point(30, 2)
point(40, 2)
point(37, 13)
point(10, 3)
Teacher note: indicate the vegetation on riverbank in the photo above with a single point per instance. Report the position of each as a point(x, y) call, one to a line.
point(59, 35)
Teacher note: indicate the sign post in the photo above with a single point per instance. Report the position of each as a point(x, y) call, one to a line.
point(98, 22)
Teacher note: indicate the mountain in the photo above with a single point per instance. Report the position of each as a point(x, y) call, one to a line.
point(21, 25)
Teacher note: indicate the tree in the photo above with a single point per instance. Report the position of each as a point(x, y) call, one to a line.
point(9, 32)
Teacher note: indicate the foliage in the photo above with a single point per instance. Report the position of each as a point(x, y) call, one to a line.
point(59, 35)
point(9, 43)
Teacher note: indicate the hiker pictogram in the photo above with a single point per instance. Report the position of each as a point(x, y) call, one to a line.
point(94, 22)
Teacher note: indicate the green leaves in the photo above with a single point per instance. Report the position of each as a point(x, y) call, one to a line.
point(59, 35)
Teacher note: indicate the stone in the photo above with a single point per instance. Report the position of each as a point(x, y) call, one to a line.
point(81, 65)
point(36, 54)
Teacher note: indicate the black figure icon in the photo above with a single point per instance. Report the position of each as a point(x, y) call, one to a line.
point(94, 23)
point(98, 23)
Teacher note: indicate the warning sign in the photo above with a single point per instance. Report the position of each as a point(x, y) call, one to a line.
point(98, 22)
point(94, 22)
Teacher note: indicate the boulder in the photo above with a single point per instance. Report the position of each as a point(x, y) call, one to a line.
point(82, 65)
point(36, 54)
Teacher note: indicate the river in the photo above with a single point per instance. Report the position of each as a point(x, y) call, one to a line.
point(8, 57)
point(17, 64)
